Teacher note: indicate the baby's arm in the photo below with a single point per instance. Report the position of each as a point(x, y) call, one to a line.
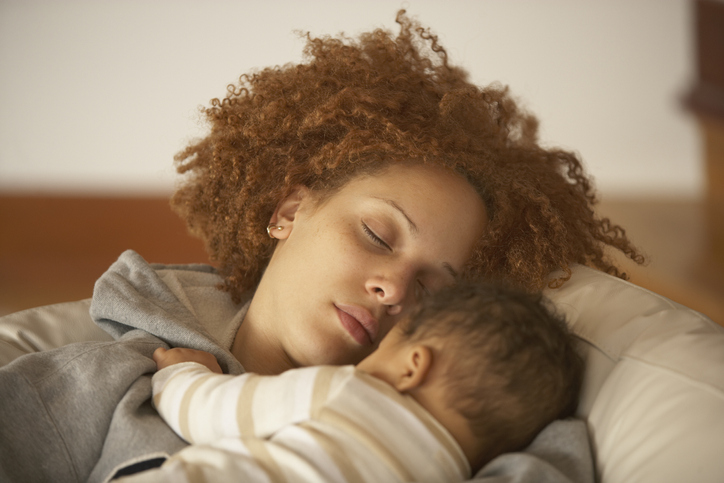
point(203, 407)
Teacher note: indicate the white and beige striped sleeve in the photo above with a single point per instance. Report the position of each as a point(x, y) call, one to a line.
point(203, 407)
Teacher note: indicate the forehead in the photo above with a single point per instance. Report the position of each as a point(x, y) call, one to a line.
point(410, 171)
point(415, 183)
point(431, 196)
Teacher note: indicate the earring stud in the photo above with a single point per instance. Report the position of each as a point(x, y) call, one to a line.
point(271, 227)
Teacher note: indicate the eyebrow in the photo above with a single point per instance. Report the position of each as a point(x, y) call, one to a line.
point(412, 225)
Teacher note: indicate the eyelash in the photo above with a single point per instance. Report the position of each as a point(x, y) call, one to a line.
point(373, 236)
point(425, 291)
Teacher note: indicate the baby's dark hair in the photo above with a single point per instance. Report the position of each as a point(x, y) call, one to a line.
point(511, 366)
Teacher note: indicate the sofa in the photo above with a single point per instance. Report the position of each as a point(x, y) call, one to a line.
point(653, 391)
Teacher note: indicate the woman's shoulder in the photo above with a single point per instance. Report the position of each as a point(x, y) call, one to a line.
point(131, 294)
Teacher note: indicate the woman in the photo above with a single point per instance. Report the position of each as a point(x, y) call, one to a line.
point(364, 134)
point(331, 195)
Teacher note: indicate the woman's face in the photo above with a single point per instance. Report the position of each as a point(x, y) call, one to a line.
point(345, 269)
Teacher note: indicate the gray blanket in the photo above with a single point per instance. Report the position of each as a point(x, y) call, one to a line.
point(83, 412)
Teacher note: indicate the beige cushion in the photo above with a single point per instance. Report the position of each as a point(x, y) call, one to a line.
point(47, 327)
point(654, 387)
point(653, 391)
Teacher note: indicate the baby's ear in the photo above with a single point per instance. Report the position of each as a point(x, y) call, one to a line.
point(418, 361)
point(286, 213)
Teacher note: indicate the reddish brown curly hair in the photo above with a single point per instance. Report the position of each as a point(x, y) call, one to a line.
point(357, 105)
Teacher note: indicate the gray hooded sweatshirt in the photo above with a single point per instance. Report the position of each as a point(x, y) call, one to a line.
point(83, 412)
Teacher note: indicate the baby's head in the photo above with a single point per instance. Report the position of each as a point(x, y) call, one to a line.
point(493, 365)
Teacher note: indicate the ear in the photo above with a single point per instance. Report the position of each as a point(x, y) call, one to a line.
point(286, 212)
point(417, 364)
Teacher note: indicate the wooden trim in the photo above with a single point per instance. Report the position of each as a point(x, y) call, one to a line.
point(706, 97)
point(53, 248)
point(706, 100)
point(709, 18)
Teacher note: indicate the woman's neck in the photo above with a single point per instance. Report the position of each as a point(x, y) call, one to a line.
point(258, 350)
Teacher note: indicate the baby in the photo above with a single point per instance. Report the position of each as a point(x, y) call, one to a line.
point(473, 372)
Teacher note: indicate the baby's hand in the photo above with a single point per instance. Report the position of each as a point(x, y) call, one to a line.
point(165, 358)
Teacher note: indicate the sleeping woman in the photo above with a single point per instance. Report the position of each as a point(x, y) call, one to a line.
point(331, 196)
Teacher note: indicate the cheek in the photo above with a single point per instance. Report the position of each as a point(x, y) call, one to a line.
point(342, 252)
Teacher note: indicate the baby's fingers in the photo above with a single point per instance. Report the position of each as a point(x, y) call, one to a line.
point(165, 358)
point(158, 354)
point(160, 357)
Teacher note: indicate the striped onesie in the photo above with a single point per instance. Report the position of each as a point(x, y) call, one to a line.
point(314, 424)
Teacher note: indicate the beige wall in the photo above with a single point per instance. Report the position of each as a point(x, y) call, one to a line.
point(97, 96)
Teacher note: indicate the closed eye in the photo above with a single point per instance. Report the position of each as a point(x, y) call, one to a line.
point(373, 236)
point(425, 291)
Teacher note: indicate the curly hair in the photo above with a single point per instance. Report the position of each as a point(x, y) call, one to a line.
point(514, 366)
point(355, 106)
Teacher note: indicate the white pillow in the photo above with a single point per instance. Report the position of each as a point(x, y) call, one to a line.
point(653, 392)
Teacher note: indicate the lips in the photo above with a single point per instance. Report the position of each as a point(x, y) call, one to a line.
point(358, 322)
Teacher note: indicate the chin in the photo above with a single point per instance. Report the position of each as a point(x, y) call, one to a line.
point(338, 352)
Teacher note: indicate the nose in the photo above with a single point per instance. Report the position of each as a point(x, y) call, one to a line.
point(391, 289)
